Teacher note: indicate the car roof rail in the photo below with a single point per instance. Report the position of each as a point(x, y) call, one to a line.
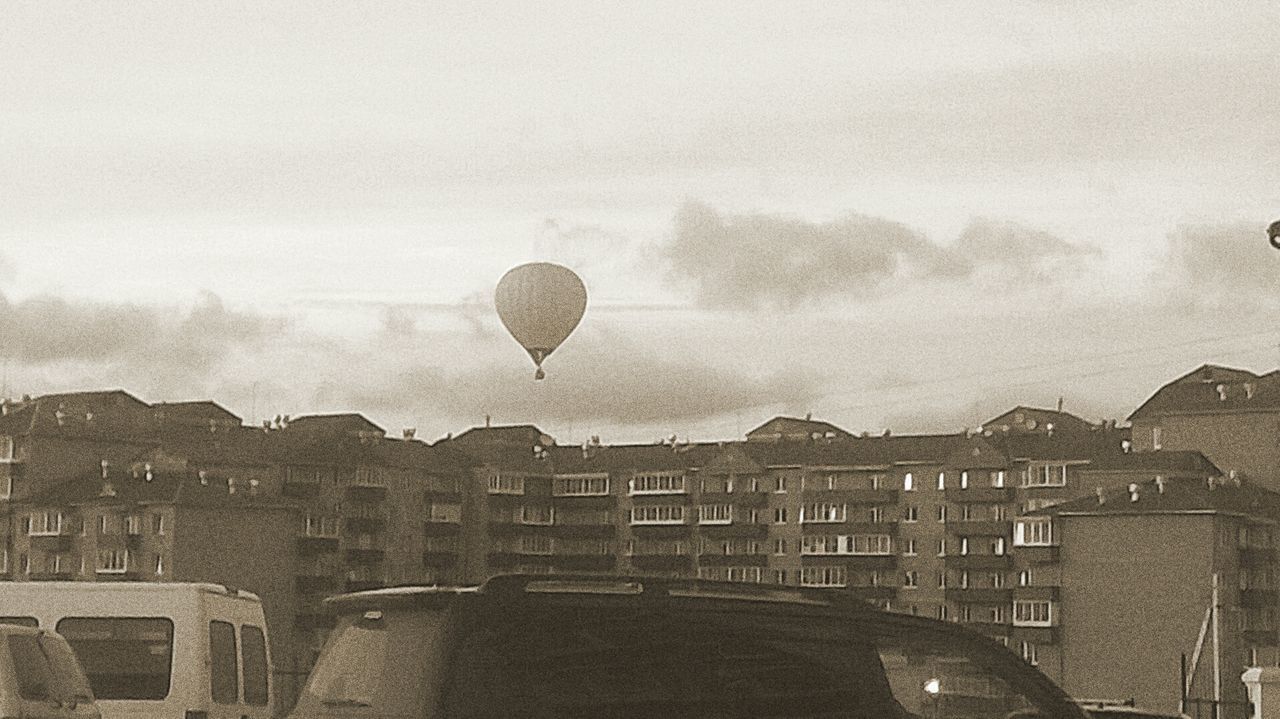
point(648, 587)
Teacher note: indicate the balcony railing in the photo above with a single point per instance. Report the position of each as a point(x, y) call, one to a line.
point(978, 561)
point(980, 528)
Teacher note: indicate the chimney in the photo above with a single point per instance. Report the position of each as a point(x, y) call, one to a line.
point(1102, 499)
point(1133, 492)
point(1222, 392)
point(204, 478)
point(488, 421)
point(1048, 428)
point(1160, 484)
point(1060, 404)
point(253, 487)
point(1125, 446)
point(231, 485)
point(409, 432)
point(1248, 390)
point(149, 475)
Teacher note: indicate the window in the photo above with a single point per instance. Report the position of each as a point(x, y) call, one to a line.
point(157, 561)
point(780, 485)
point(942, 612)
point(780, 547)
point(541, 546)
point(500, 484)
point(942, 547)
point(45, 524)
point(715, 514)
point(1032, 613)
point(997, 479)
point(964, 546)
point(224, 684)
point(996, 580)
point(1033, 532)
point(320, 526)
point(253, 662)
point(1046, 475)
point(824, 577)
point(1024, 578)
point(942, 512)
point(658, 514)
point(779, 576)
point(942, 480)
point(133, 525)
point(779, 515)
point(874, 544)
point(6, 487)
point(1030, 653)
point(966, 613)
point(113, 561)
point(1032, 505)
point(964, 579)
point(910, 579)
point(539, 515)
point(912, 514)
point(106, 525)
point(444, 513)
point(997, 546)
point(124, 657)
point(755, 575)
point(908, 482)
point(964, 480)
point(822, 512)
point(942, 580)
point(658, 483)
point(996, 614)
point(580, 486)
point(157, 524)
point(1155, 438)
point(875, 515)
point(910, 549)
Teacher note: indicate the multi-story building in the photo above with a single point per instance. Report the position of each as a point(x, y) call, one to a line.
point(1232, 416)
point(1133, 578)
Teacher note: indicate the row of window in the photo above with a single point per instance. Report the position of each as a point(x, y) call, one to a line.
point(51, 523)
point(109, 561)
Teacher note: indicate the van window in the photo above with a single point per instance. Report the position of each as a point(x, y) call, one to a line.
point(253, 657)
point(223, 683)
point(20, 621)
point(74, 684)
point(34, 675)
point(125, 657)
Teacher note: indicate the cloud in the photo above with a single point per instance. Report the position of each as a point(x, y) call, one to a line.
point(48, 330)
point(1220, 265)
point(604, 380)
point(759, 260)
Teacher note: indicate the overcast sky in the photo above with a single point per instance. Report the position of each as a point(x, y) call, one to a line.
point(906, 215)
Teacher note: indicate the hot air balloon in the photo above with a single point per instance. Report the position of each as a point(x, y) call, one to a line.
point(1273, 234)
point(540, 304)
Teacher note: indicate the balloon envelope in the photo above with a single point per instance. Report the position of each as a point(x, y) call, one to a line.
point(540, 304)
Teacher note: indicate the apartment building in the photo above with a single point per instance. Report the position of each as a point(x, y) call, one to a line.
point(1232, 416)
point(1133, 576)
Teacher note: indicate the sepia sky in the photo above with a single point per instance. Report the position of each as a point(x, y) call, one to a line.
point(906, 215)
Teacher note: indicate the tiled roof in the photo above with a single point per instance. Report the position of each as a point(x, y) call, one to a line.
point(1211, 388)
point(1033, 419)
point(194, 412)
point(1062, 446)
point(110, 413)
point(521, 434)
point(183, 488)
point(1164, 460)
point(346, 422)
point(784, 427)
point(1181, 495)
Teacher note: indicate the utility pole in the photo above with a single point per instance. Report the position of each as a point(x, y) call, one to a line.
point(1217, 659)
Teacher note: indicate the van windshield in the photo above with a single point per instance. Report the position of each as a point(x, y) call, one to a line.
point(124, 657)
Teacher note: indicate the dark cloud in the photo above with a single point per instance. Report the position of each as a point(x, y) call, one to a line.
point(48, 330)
point(604, 380)
point(1221, 265)
point(759, 260)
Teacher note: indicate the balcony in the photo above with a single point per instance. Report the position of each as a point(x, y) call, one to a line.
point(360, 585)
point(51, 542)
point(296, 489)
point(586, 531)
point(738, 530)
point(980, 528)
point(585, 562)
point(584, 501)
point(506, 528)
point(661, 562)
point(441, 529)
point(853, 561)
point(507, 559)
point(1049, 594)
point(365, 555)
point(982, 495)
point(364, 525)
point(309, 545)
point(733, 560)
point(980, 595)
point(1035, 635)
point(1257, 597)
point(1257, 556)
point(366, 492)
point(660, 531)
point(442, 496)
point(311, 583)
point(1044, 554)
point(979, 561)
point(871, 594)
point(744, 500)
point(851, 496)
point(439, 559)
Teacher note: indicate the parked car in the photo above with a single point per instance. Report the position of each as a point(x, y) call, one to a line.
point(591, 646)
point(155, 650)
point(40, 677)
point(1128, 709)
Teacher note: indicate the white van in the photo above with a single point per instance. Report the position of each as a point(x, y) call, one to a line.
point(157, 651)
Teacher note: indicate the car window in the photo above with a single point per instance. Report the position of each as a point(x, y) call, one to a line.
point(20, 621)
point(667, 666)
point(35, 678)
point(124, 657)
point(253, 659)
point(224, 685)
point(376, 664)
